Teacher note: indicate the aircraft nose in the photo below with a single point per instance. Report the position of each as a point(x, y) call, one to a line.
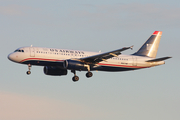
point(10, 57)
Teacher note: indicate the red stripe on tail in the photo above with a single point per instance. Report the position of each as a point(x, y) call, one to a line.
point(157, 33)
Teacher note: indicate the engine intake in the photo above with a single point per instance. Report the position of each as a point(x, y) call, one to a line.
point(55, 71)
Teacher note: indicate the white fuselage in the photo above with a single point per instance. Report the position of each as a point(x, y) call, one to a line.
point(51, 57)
point(57, 62)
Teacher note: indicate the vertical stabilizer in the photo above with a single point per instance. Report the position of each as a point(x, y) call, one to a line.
point(150, 47)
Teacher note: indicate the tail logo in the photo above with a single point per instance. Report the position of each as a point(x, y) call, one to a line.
point(148, 46)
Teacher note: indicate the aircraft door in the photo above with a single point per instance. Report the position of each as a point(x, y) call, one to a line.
point(134, 61)
point(32, 52)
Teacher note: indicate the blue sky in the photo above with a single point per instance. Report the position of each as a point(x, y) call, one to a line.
point(90, 25)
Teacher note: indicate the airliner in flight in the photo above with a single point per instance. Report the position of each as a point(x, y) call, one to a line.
point(57, 62)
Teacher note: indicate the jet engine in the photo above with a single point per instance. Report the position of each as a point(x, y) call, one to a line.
point(75, 65)
point(55, 71)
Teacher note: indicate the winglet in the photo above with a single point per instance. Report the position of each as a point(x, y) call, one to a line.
point(131, 47)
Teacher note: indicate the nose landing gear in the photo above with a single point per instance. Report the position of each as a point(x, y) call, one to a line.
point(28, 72)
point(29, 67)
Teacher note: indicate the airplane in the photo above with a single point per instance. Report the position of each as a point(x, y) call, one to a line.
point(57, 62)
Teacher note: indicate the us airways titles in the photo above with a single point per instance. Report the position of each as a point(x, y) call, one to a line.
point(67, 51)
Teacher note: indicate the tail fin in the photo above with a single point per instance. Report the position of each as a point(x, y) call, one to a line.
point(150, 47)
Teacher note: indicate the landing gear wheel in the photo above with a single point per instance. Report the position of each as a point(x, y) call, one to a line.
point(29, 67)
point(28, 72)
point(75, 78)
point(89, 74)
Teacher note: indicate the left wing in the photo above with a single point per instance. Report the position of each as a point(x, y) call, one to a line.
point(103, 57)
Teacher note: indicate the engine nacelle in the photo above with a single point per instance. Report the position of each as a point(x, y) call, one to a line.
point(73, 64)
point(55, 71)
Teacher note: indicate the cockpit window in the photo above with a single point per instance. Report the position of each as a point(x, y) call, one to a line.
point(19, 51)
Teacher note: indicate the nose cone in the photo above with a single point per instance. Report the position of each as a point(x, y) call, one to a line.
point(12, 57)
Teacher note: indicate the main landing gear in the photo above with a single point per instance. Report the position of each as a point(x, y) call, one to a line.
point(76, 78)
point(29, 68)
point(88, 74)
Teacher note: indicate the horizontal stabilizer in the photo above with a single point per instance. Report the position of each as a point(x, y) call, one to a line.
point(158, 59)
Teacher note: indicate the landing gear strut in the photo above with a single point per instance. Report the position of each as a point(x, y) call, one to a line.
point(88, 74)
point(75, 78)
point(29, 68)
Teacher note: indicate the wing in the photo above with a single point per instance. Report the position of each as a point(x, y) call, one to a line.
point(103, 56)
